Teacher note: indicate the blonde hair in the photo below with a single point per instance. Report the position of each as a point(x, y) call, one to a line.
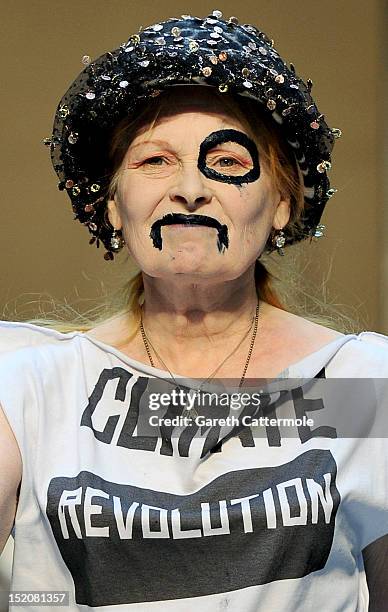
point(279, 161)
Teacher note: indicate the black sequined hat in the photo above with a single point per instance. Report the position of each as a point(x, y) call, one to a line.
point(232, 57)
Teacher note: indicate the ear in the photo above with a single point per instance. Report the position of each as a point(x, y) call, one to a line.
point(114, 214)
point(282, 213)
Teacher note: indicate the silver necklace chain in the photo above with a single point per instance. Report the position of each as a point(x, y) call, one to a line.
point(255, 322)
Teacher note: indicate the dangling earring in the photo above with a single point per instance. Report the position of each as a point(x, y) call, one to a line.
point(117, 241)
point(279, 240)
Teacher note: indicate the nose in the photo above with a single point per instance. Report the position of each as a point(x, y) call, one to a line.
point(190, 188)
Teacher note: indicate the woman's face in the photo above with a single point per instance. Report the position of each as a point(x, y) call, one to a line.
point(193, 195)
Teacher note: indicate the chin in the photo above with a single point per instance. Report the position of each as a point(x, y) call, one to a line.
point(182, 269)
point(193, 272)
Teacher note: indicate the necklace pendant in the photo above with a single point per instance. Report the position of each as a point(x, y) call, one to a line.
point(190, 413)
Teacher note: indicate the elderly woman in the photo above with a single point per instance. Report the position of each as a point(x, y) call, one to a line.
point(195, 148)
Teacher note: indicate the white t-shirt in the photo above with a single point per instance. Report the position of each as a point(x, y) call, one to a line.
point(253, 518)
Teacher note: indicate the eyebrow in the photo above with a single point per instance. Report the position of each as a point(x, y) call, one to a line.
point(163, 143)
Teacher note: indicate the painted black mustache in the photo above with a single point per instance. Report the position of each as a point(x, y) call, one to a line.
point(179, 218)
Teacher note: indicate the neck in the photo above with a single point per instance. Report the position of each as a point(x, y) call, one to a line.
point(197, 324)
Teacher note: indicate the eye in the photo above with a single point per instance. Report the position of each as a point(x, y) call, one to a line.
point(225, 162)
point(228, 159)
point(152, 159)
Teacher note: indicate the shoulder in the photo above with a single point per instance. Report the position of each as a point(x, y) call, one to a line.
point(293, 336)
point(359, 355)
point(15, 335)
point(364, 355)
point(375, 339)
point(296, 327)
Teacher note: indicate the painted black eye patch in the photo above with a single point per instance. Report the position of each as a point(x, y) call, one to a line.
point(221, 136)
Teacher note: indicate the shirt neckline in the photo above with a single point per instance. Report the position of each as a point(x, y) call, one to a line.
point(294, 370)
